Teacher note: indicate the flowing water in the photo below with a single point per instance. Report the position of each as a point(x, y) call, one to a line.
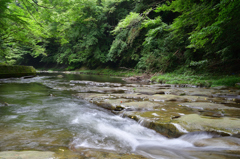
point(33, 116)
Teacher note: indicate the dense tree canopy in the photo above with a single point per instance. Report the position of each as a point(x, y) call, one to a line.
point(148, 35)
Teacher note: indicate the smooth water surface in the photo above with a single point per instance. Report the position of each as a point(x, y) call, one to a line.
point(34, 116)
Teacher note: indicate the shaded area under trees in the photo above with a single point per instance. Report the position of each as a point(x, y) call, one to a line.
point(147, 35)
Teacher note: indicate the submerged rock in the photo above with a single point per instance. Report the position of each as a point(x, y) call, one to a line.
point(187, 153)
point(220, 142)
point(104, 154)
point(79, 153)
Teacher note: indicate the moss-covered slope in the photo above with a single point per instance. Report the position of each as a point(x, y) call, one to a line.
point(16, 71)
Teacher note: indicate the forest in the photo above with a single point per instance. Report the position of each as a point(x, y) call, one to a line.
point(145, 35)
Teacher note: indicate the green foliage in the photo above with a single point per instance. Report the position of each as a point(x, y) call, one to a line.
point(198, 63)
point(85, 37)
point(124, 48)
point(21, 32)
point(211, 26)
point(149, 35)
point(160, 49)
point(118, 46)
point(202, 80)
point(130, 20)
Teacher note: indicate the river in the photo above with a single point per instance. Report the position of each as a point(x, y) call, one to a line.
point(36, 117)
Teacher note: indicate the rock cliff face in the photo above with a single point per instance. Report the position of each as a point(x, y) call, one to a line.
point(16, 71)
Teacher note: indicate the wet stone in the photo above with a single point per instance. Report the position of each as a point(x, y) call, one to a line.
point(194, 122)
point(60, 76)
point(220, 87)
point(112, 104)
point(163, 107)
point(95, 89)
point(219, 142)
point(26, 154)
point(148, 91)
point(104, 154)
point(172, 112)
point(143, 105)
point(160, 119)
point(177, 98)
point(207, 106)
point(161, 85)
point(162, 152)
point(99, 84)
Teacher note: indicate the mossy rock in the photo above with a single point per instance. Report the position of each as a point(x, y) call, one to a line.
point(16, 71)
point(195, 122)
point(151, 120)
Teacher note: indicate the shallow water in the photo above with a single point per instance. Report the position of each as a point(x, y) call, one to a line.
point(36, 115)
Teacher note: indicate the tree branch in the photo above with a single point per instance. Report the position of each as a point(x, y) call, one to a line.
point(31, 13)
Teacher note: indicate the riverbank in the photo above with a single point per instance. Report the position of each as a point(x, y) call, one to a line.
point(183, 80)
point(107, 72)
point(7, 71)
point(201, 80)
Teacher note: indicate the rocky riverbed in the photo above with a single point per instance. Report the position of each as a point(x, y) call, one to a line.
point(169, 109)
point(52, 117)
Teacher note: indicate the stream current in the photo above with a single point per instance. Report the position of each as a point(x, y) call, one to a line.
point(33, 116)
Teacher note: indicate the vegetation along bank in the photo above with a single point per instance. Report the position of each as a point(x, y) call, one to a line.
point(145, 35)
point(17, 71)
